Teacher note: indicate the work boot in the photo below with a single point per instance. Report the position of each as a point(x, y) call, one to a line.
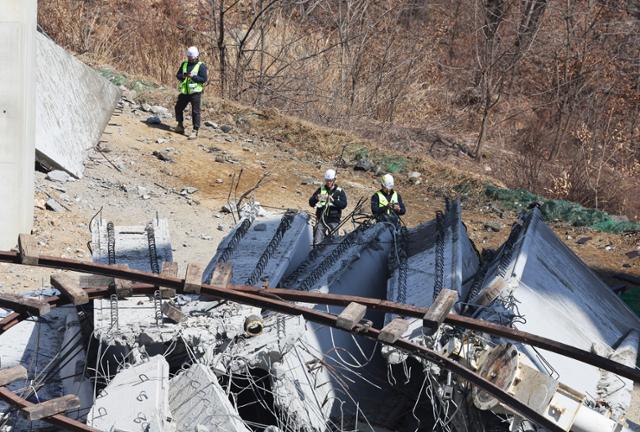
point(194, 134)
point(180, 128)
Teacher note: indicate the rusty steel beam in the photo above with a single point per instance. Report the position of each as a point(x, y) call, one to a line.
point(335, 299)
point(59, 420)
point(452, 319)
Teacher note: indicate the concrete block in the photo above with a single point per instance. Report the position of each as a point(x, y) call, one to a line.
point(137, 398)
point(73, 106)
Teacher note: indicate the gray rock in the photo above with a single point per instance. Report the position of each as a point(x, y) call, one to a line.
point(153, 120)
point(226, 128)
point(58, 176)
point(53, 205)
point(583, 240)
point(211, 124)
point(142, 191)
point(311, 181)
point(161, 141)
point(220, 158)
point(220, 227)
point(633, 254)
point(494, 226)
point(161, 111)
point(364, 165)
point(228, 208)
point(413, 175)
point(145, 107)
point(163, 156)
point(188, 190)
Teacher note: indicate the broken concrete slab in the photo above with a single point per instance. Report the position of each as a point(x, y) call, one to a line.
point(137, 398)
point(197, 400)
point(141, 247)
point(69, 122)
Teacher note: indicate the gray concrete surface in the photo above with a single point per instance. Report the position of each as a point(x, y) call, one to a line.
point(73, 106)
point(17, 116)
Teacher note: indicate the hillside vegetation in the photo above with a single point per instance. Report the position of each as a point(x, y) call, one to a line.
point(540, 95)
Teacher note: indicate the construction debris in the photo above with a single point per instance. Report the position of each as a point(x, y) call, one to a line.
point(168, 359)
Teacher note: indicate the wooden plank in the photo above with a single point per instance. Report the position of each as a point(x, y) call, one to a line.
point(193, 279)
point(222, 274)
point(70, 288)
point(51, 407)
point(439, 310)
point(24, 304)
point(28, 249)
point(394, 330)
point(169, 269)
point(351, 316)
point(122, 287)
point(9, 375)
point(172, 312)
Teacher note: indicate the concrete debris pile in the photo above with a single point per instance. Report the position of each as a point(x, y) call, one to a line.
point(180, 361)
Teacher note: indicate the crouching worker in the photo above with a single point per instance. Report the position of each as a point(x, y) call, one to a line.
point(386, 204)
point(329, 201)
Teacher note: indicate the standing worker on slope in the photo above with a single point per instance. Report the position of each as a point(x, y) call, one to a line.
point(329, 201)
point(192, 76)
point(386, 204)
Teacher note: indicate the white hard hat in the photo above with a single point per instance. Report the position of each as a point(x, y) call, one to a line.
point(193, 52)
point(330, 174)
point(387, 181)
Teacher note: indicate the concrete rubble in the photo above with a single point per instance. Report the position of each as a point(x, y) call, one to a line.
point(215, 365)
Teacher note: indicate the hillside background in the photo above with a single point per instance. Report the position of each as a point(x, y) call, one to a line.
point(538, 95)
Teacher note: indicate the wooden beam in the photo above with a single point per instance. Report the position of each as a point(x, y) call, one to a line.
point(122, 287)
point(172, 312)
point(28, 249)
point(24, 304)
point(70, 288)
point(393, 331)
point(193, 279)
point(222, 274)
point(351, 316)
point(439, 310)
point(51, 407)
point(169, 269)
point(9, 375)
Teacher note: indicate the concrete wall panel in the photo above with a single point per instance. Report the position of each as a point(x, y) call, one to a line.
point(73, 106)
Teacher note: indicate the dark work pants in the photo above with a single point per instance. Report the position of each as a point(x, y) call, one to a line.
point(183, 101)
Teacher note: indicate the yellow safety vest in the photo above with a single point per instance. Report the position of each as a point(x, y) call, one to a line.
point(187, 86)
point(382, 200)
point(324, 191)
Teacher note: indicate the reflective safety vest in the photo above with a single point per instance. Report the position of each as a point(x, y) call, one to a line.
point(187, 86)
point(323, 198)
point(382, 200)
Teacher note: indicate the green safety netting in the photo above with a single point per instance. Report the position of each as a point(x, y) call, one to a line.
point(561, 210)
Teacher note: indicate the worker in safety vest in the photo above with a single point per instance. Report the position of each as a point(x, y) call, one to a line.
point(329, 200)
point(386, 204)
point(192, 76)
